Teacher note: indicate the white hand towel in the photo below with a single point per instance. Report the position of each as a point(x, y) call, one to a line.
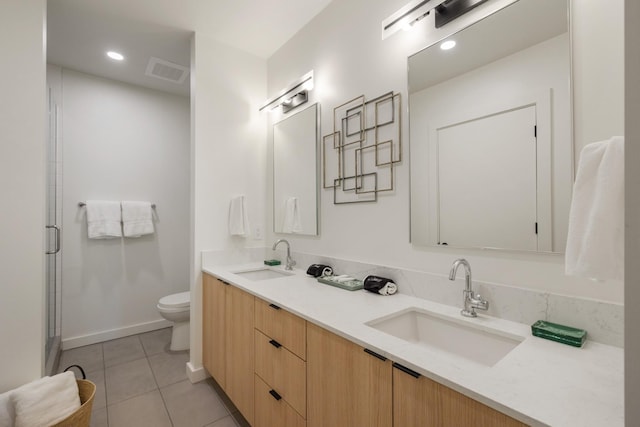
point(103, 219)
point(238, 217)
point(137, 218)
point(595, 241)
point(292, 222)
point(46, 401)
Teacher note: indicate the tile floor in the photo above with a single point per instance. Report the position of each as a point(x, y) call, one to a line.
point(141, 383)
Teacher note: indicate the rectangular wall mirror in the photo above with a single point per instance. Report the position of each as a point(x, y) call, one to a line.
point(295, 172)
point(491, 132)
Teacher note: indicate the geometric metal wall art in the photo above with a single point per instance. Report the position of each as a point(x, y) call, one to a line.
point(358, 157)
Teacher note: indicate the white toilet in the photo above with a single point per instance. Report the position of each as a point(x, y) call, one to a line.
point(175, 308)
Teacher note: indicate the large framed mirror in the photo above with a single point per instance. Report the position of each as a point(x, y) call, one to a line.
point(491, 132)
point(295, 172)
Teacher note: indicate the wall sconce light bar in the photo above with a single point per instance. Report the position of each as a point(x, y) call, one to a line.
point(297, 99)
point(450, 10)
point(293, 95)
point(406, 16)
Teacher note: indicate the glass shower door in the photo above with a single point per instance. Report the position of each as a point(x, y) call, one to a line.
point(53, 259)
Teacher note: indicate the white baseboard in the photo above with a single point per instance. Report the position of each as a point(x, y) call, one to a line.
point(73, 342)
point(196, 374)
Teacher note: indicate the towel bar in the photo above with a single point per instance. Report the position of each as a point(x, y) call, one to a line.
point(83, 204)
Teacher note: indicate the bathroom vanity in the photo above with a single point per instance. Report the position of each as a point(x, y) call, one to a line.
point(290, 351)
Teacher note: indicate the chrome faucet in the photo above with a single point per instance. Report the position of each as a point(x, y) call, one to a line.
point(290, 262)
point(471, 300)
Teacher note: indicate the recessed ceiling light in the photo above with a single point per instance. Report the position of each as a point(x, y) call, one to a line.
point(115, 55)
point(449, 44)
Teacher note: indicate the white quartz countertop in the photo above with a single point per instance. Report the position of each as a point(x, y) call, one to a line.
point(540, 382)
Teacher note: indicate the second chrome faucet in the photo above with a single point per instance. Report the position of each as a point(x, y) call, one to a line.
point(472, 301)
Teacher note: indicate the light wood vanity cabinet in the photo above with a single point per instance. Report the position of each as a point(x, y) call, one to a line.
point(346, 385)
point(420, 401)
point(228, 354)
point(281, 370)
point(239, 349)
point(213, 327)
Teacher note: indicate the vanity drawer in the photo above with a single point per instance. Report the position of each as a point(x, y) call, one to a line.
point(272, 411)
point(282, 370)
point(282, 326)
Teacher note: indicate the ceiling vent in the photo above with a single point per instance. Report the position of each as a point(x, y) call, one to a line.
point(166, 70)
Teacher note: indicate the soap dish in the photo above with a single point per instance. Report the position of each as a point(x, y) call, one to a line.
point(559, 333)
point(350, 285)
point(271, 262)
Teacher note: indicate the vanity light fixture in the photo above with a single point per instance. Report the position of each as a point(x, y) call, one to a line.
point(115, 55)
point(449, 44)
point(406, 17)
point(297, 93)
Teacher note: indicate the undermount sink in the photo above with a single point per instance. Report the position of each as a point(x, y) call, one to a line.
point(475, 343)
point(262, 274)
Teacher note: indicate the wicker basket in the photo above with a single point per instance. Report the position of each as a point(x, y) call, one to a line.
point(82, 416)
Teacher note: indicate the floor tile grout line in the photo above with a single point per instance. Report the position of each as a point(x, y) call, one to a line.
point(164, 403)
point(166, 408)
point(104, 380)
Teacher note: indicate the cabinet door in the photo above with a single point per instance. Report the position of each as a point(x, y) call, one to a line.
point(420, 401)
point(239, 350)
point(346, 387)
point(458, 409)
point(415, 401)
point(213, 327)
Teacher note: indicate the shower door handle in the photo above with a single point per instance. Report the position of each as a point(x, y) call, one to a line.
point(55, 227)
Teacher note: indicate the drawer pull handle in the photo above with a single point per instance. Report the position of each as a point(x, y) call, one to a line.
point(275, 343)
point(374, 354)
point(406, 370)
point(275, 394)
point(275, 307)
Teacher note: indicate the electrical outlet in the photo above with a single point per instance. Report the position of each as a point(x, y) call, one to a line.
point(257, 233)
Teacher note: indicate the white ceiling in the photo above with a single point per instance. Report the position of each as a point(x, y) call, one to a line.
point(80, 31)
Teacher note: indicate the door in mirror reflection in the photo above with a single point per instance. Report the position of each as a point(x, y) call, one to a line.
point(490, 133)
point(295, 192)
point(487, 181)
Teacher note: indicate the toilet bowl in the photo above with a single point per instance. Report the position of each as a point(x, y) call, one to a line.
point(175, 308)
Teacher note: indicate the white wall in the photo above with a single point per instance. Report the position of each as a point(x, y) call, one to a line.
point(22, 189)
point(343, 46)
point(228, 157)
point(121, 142)
point(632, 215)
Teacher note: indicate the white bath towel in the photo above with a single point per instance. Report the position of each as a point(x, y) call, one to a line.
point(595, 241)
point(103, 219)
point(137, 218)
point(238, 217)
point(292, 222)
point(46, 401)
